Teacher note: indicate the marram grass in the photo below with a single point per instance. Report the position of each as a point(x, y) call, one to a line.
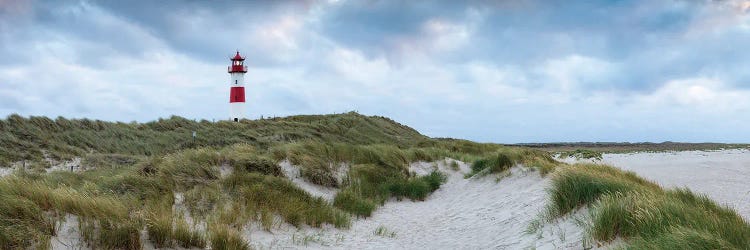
point(134, 170)
point(226, 238)
point(60, 138)
point(623, 205)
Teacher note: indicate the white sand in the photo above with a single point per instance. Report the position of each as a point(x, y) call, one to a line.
point(225, 170)
point(5, 171)
point(67, 235)
point(724, 175)
point(74, 165)
point(293, 174)
point(491, 212)
point(477, 213)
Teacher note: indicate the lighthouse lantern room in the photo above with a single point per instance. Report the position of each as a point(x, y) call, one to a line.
point(237, 88)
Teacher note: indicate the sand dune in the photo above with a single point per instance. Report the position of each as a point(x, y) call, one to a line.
point(722, 175)
point(489, 212)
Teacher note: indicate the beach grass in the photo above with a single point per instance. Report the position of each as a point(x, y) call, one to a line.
point(623, 205)
point(223, 237)
point(229, 176)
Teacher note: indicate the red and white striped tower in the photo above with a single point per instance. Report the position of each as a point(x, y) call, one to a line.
point(237, 88)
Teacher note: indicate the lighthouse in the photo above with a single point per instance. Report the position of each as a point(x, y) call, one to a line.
point(237, 88)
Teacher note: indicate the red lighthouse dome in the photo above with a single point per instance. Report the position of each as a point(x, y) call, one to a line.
point(237, 66)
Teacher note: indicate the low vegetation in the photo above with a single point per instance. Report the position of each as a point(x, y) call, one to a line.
point(226, 238)
point(505, 158)
point(627, 147)
point(132, 174)
point(623, 205)
point(154, 178)
point(35, 137)
point(582, 154)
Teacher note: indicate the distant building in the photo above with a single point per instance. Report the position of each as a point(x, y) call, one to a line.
point(237, 88)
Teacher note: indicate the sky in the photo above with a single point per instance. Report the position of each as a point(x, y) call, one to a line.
point(488, 71)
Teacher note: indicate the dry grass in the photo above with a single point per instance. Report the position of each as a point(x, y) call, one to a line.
point(626, 206)
point(133, 171)
point(60, 138)
point(226, 238)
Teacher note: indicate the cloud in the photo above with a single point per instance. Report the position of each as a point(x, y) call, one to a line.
point(507, 71)
point(705, 95)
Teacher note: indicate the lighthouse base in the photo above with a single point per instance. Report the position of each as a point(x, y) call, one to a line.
point(237, 111)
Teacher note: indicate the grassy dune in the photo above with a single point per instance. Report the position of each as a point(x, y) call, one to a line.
point(133, 172)
point(623, 205)
point(31, 138)
point(153, 177)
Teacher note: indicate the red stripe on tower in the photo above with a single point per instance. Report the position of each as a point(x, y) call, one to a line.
point(237, 94)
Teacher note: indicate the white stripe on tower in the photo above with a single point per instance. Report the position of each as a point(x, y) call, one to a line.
point(237, 88)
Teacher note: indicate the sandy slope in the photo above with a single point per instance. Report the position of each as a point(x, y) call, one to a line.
point(486, 213)
point(722, 175)
point(490, 212)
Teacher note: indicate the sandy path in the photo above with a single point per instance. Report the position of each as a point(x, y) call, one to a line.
point(67, 235)
point(483, 213)
point(722, 175)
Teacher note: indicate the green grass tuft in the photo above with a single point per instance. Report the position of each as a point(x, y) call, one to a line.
point(188, 238)
point(373, 185)
point(583, 184)
point(225, 238)
point(493, 164)
point(255, 193)
point(159, 229)
point(644, 215)
point(349, 201)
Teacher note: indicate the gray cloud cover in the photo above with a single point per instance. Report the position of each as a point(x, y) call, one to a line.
point(502, 71)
